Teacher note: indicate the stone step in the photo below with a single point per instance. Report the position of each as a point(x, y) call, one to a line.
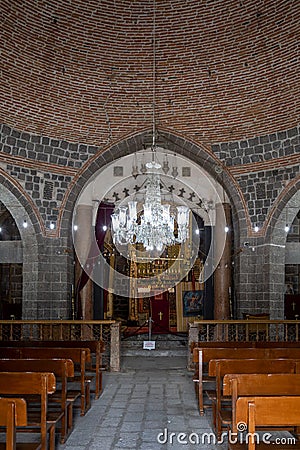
point(165, 345)
point(153, 353)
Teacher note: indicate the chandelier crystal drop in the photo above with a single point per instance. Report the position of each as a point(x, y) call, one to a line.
point(157, 225)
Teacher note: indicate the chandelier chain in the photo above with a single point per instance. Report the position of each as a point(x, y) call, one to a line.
point(154, 78)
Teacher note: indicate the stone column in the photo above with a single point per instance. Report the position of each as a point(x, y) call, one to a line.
point(115, 344)
point(222, 273)
point(82, 241)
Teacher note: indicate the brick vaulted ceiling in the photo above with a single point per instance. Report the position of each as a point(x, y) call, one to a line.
point(81, 70)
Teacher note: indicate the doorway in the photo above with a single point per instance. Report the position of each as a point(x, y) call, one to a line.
point(160, 313)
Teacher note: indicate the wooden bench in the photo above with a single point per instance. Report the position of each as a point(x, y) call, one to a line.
point(13, 413)
point(266, 412)
point(202, 356)
point(219, 368)
point(63, 370)
point(80, 357)
point(40, 419)
point(258, 384)
point(97, 349)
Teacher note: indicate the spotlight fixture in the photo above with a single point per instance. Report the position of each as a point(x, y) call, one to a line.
point(286, 228)
point(25, 224)
point(52, 225)
point(226, 229)
point(256, 228)
point(75, 227)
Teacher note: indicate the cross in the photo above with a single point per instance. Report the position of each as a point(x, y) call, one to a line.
point(126, 192)
point(171, 188)
point(160, 315)
point(116, 195)
point(192, 195)
point(136, 188)
point(181, 192)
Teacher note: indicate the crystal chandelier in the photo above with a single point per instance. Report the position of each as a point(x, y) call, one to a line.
point(158, 225)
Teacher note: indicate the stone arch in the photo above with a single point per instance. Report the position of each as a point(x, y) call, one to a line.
point(22, 209)
point(285, 210)
point(199, 154)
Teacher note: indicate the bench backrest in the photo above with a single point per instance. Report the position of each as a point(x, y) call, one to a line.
point(60, 367)
point(217, 353)
point(220, 367)
point(271, 384)
point(30, 383)
point(270, 411)
point(261, 384)
point(13, 413)
point(93, 345)
point(204, 355)
point(39, 383)
point(267, 412)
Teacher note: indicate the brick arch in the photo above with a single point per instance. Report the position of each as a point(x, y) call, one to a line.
point(199, 154)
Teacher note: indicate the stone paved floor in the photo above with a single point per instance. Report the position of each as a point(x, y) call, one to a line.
point(140, 407)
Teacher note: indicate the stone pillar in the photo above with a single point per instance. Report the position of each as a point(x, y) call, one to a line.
point(115, 331)
point(222, 273)
point(82, 240)
point(110, 296)
point(193, 338)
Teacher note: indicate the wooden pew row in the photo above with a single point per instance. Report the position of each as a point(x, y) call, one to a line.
point(202, 356)
point(79, 356)
point(220, 367)
point(63, 370)
point(27, 384)
point(244, 344)
point(267, 412)
point(258, 384)
point(13, 413)
point(97, 349)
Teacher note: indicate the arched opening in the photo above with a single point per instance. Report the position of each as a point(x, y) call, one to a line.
point(118, 181)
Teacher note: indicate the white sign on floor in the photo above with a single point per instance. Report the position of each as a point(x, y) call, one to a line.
point(149, 345)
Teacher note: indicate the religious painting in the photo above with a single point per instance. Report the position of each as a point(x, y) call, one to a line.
point(192, 303)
